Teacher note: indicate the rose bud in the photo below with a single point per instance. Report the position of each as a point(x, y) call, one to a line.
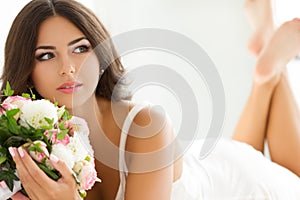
point(35, 153)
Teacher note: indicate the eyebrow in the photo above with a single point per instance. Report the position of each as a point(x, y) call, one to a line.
point(53, 48)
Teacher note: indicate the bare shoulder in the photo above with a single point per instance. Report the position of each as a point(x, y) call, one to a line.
point(150, 130)
point(151, 140)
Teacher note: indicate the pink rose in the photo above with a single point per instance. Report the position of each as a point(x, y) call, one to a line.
point(36, 155)
point(8, 106)
point(47, 133)
point(53, 133)
point(65, 141)
point(13, 102)
point(87, 174)
point(68, 124)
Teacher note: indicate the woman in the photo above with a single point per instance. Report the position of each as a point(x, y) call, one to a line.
point(55, 56)
point(59, 42)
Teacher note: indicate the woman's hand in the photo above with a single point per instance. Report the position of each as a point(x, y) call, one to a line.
point(37, 184)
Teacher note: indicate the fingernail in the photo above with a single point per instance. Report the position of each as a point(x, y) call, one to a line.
point(53, 158)
point(21, 152)
point(11, 151)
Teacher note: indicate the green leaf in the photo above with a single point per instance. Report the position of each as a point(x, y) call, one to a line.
point(47, 127)
point(88, 158)
point(4, 133)
point(3, 156)
point(14, 141)
point(2, 159)
point(66, 115)
point(25, 95)
point(11, 123)
point(3, 151)
point(8, 176)
point(38, 148)
point(50, 173)
point(13, 128)
point(82, 193)
point(60, 111)
point(8, 91)
point(61, 125)
point(49, 121)
point(62, 134)
point(11, 113)
point(31, 148)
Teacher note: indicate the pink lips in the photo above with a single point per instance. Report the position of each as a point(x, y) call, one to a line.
point(69, 88)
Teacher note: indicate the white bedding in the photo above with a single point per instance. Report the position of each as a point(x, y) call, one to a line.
point(234, 170)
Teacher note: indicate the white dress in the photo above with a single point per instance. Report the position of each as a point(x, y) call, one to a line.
point(232, 171)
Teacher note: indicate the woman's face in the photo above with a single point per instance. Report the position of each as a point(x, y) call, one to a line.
point(66, 69)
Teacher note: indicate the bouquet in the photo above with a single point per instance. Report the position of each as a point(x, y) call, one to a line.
point(43, 128)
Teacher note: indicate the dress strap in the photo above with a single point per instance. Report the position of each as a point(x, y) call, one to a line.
point(123, 170)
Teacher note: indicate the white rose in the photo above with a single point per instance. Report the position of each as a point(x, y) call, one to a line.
point(64, 154)
point(82, 133)
point(35, 112)
point(77, 148)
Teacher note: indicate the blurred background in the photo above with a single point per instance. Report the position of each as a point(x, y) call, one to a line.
point(220, 27)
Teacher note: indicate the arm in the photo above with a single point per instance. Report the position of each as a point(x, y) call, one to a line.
point(150, 156)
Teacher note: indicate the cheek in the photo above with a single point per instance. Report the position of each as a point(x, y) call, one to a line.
point(88, 74)
point(89, 71)
point(43, 81)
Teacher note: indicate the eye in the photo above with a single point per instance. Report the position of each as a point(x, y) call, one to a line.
point(81, 49)
point(45, 56)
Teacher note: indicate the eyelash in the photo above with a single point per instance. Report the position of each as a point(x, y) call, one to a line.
point(86, 48)
point(50, 55)
point(40, 57)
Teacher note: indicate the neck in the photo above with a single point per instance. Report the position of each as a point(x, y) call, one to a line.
point(84, 109)
point(93, 111)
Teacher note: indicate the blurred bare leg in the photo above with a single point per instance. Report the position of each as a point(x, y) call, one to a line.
point(252, 125)
point(260, 17)
point(283, 132)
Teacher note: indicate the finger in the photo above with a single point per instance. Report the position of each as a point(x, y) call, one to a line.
point(23, 174)
point(29, 173)
point(64, 170)
point(19, 196)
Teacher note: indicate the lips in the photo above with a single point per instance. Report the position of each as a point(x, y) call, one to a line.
point(70, 87)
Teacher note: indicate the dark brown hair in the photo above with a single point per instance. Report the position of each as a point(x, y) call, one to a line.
point(22, 39)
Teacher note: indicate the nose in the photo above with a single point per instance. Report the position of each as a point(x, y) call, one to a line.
point(68, 68)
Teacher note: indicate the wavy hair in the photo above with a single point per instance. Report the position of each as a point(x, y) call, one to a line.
point(22, 39)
